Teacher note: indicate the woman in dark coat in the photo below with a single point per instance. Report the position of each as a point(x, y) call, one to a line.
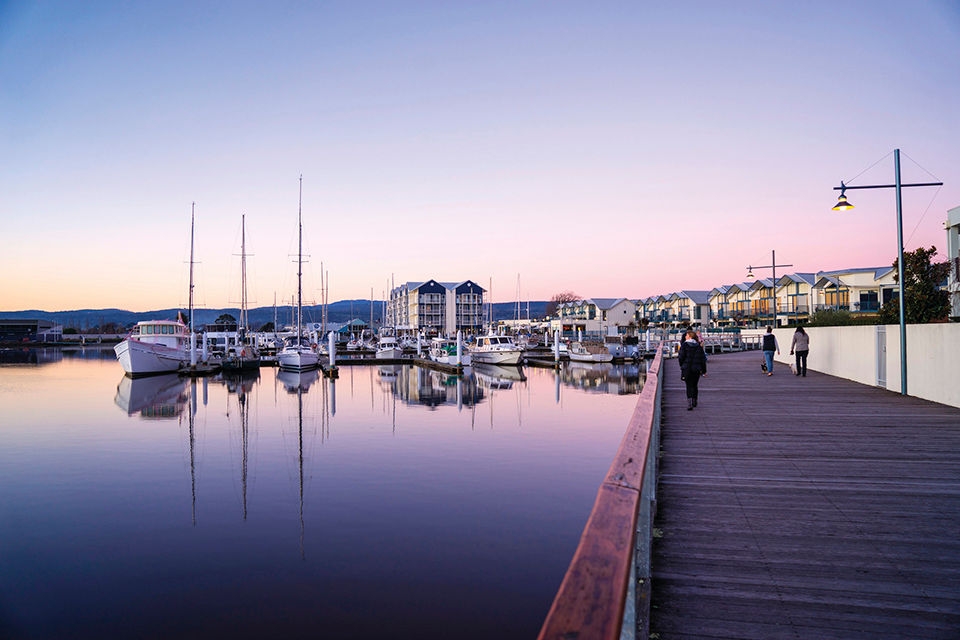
point(693, 364)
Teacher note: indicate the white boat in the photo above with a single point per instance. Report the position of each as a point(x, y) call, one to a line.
point(444, 351)
point(297, 353)
point(155, 346)
point(158, 346)
point(493, 349)
point(589, 352)
point(388, 347)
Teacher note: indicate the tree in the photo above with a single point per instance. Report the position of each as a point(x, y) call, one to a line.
point(225, 319)
point(923, 299)
point(267, 328)
point(558, 299)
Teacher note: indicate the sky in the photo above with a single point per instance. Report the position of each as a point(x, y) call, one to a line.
point(609, 149)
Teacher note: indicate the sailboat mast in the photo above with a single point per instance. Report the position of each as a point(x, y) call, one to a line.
point(243, 272)
point(300, 261)
point(192, 207)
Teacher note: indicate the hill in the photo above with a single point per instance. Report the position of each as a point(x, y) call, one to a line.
point(337, 312)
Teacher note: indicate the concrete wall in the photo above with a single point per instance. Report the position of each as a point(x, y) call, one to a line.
point(854, 353)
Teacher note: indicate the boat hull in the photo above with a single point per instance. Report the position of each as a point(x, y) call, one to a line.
point(146, 359)
point(507, 357)
point(298, 360)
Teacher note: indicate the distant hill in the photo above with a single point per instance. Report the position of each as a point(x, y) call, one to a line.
point(337, 312)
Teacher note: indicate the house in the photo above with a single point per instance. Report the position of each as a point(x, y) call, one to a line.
point(691, 307)
point(862, 290)
point(795, 296)
point(719, 305)
point(597, 316)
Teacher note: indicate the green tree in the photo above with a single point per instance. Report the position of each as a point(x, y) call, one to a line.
point(267, 328)
point(924, 300)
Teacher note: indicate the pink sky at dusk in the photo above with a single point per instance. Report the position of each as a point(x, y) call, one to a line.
point(618, 149)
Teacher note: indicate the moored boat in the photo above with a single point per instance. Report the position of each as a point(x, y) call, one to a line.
point(444, 351)
point(388, 348)
point(297, 353)
point(155, 346)
point(590, 352)
point(494, 349)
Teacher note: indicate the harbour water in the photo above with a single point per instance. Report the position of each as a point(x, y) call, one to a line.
point(392, 502)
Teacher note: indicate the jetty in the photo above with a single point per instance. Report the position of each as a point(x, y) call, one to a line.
point(804, 507)
point(780, 507)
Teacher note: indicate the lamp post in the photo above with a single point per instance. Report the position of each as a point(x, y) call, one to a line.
point(843, 205)
point(773, 265)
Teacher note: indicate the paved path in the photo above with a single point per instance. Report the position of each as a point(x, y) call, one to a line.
point(811, 507)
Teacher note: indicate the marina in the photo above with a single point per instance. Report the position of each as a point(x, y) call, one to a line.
point(291, 504)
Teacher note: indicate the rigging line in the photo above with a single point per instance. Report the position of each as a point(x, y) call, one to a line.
point(850, 181)
point(935, 194)
point(921, 166)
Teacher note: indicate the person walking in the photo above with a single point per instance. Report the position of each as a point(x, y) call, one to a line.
point(801, 345)
point(769, 346)
point(693, 364)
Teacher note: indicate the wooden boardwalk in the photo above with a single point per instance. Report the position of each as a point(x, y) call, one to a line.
point(814, 507)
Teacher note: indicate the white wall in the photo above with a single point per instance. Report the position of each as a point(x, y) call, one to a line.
point(933, 357)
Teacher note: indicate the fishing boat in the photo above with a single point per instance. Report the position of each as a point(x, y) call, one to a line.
point(153, 347)
point(589, 352)
point(494, 349)
point(160, 346)
point(388, 348)
point(298, 354)
point(444, 351)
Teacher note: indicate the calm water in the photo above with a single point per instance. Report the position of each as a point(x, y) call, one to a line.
point(393, 502)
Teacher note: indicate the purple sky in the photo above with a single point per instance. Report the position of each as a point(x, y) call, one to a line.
point(612, 149)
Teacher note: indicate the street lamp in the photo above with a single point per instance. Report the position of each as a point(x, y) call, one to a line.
point(773, 265)
point(844, 205)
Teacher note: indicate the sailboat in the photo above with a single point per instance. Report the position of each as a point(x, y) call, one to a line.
point(242, 356)
point(297, 353)
point(159, 346)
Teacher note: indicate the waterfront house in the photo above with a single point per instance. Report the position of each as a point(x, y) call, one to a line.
point(862, 290)
point(719, 305)
point(761, 295)
point(738, 300)
point(597, 317)
point(692, 307)
point(795, 296)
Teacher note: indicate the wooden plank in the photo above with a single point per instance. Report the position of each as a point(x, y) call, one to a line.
point(812, 507)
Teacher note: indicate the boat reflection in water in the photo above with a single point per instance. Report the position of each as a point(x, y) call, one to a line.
point(494, 376)
point(297, 381)
point(603, 377)
point(160, 397)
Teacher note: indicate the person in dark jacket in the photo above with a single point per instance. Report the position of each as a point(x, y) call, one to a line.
point(769, 346)
point(693, 364)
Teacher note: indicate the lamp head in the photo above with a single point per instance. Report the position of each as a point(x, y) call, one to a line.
point(842, 204)
point(750, 272)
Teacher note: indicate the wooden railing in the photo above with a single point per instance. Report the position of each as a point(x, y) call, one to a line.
point(606, 587)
